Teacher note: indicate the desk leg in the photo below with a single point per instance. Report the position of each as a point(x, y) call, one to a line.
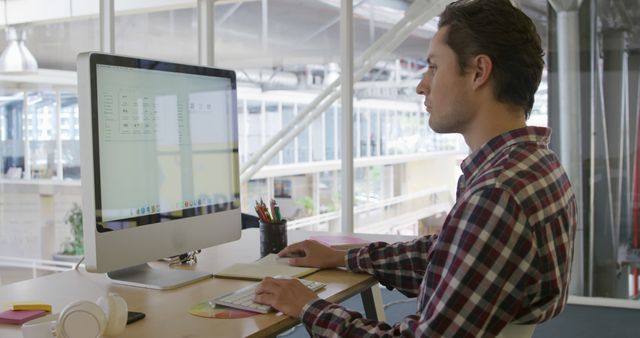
point(372, 301)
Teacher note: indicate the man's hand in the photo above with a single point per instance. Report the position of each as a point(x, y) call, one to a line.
point(313, 254)
point(288, 296)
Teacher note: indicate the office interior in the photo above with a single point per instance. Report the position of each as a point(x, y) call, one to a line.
point(287, 54)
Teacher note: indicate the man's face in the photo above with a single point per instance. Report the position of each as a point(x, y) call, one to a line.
point(446, 90)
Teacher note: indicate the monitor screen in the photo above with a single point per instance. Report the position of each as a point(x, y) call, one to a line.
point(171, 136)
point(161, 143)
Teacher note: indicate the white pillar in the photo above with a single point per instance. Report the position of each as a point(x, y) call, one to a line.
point(59, 166)
point(27, 145)
point(569, 133)
point(265, 25)
point(206, 36)
point(346, 76)
point(107, 19)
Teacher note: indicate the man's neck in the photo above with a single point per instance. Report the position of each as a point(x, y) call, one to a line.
point(492, 122)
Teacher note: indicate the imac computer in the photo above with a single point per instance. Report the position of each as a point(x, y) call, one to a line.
point(160, 175)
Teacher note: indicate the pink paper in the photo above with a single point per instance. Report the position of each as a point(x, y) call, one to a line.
point(338, 240)
point(20, 317)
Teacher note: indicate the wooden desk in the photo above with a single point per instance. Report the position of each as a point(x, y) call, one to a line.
point(167, 311)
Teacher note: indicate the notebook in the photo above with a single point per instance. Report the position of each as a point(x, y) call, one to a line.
point(20, 317)
point(341, 242)
point(268, 266)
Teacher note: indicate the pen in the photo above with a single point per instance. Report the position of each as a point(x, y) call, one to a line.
point(266, 215)
point(278, 216)
point(270, 214)
point(265, 210)
point(261, 213)
point(273, 210)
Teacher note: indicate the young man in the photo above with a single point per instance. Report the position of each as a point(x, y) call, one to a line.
point(504, 253)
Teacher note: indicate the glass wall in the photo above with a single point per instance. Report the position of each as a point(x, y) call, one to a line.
point(601, 133)
point(39, 148)
point(12, 145)
point(70, 135)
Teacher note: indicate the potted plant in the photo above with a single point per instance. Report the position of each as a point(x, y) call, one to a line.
point(73, 248)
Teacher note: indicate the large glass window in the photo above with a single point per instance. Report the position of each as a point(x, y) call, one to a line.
point(302, 141)
point(318, 138)
point(42, 133)
point(272, 125)
point(12, 139)
point(330, 133)
point(254, 121)
point(375, 133)
point(70, 135)
point(288, 153)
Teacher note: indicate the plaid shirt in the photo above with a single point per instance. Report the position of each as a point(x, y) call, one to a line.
point(503, 254)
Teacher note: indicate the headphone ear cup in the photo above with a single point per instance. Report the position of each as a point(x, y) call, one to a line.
point(81, 319)
point(115, 308)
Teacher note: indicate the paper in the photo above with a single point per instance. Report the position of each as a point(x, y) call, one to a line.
point(341, 242)
point(211, 310)
point(268, 266)
point(19, 317)
point(30, 306)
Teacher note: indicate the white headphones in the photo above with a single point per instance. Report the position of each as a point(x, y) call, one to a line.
point(83, 319)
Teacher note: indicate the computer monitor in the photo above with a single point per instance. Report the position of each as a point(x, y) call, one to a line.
point(159, 155)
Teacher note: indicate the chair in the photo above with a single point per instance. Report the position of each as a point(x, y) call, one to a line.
point(249, 221)
point(517, 331)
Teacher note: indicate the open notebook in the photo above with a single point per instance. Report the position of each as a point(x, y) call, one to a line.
point(268, 266)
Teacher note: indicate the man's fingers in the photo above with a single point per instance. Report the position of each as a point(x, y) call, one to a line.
point(264, 298)
point(292, 249)
point(270, 289)
point(298, 261)
point(269, 285)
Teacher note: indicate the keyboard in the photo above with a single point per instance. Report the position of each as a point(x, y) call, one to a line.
point(243, 298)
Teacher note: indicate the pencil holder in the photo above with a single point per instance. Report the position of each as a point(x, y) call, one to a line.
point(273, 237)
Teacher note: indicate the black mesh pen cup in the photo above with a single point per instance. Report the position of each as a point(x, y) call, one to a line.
point(273, 237)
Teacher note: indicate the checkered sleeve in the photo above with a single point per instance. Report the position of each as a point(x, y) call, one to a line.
point(474, 283)
point(400, 265)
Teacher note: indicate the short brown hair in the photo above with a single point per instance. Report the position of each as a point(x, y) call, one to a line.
point(504, 33)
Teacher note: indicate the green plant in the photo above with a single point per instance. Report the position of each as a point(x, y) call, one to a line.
point(306, 203)
point(334, 204)
point(75, 245)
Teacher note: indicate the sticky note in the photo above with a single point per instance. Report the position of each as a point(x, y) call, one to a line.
point(19, 317)
point(29, 306)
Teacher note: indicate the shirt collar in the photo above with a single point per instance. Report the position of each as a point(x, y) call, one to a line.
point(476, 159)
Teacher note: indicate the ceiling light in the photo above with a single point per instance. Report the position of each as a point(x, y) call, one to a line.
point(16, 58)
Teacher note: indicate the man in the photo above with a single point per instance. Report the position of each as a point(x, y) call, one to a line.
point(504, 253)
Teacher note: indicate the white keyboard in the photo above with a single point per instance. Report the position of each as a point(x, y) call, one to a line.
point(243, 298)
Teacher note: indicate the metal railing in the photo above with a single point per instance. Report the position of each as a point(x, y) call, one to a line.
point(389, 202)
point(35, 264)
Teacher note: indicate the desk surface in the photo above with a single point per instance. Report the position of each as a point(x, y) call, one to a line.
point(167, 311)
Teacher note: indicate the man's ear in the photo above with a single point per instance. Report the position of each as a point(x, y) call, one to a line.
point(483, 66)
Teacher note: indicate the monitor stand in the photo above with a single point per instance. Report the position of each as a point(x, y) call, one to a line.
point(145, 276)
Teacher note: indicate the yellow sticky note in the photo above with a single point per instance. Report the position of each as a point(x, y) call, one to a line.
point(30, 306)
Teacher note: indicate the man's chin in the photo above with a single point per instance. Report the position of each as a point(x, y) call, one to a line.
point(440, 128)
point(444, 129)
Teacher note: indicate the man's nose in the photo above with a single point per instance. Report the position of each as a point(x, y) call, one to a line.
point(422, 89)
